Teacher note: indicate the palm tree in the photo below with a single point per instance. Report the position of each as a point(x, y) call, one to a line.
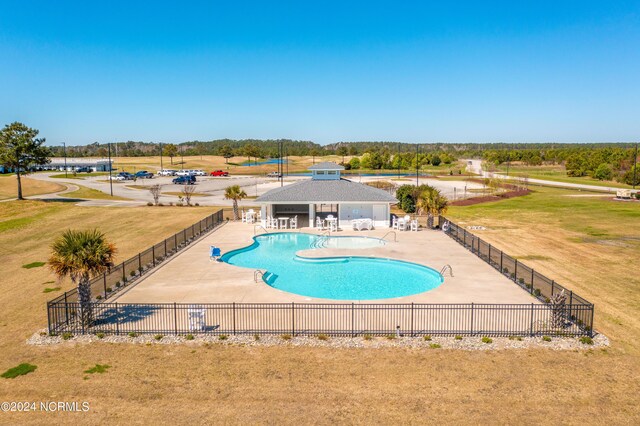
point(235, 193)
point(433, 203)
point(81, 255)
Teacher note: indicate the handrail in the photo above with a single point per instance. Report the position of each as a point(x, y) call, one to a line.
point(444, 268)
point(326, 233)
point(259, 226)
point(395, 236)
point(257, 273)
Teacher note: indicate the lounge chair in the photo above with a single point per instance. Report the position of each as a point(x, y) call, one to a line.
point(214, 253)
point(197, 319)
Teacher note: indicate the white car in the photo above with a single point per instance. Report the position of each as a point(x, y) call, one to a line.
point(117, 177)
point(167, 172)
point(198, 172)
point(184, 173)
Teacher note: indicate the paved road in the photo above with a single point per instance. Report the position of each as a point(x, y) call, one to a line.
point(476, 167)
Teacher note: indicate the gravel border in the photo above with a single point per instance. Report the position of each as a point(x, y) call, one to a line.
point(466, 343)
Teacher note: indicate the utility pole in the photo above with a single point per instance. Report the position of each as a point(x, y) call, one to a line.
point(399, 160)
point(417, 163)
point(161, 168)
point(64, 150)
point(287, 161)
point(280, 169)
point(110, 180)
point(182, 156)
point(635, 163)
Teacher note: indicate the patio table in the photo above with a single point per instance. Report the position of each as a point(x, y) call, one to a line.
point(282, 222)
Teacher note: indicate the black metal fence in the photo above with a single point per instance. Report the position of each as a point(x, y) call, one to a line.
point(538, 285)
point(121, 276)
point(346, 319)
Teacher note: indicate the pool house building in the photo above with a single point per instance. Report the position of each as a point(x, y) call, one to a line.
point(327, 194)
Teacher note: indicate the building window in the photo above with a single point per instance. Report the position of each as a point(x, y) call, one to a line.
point(320, 172)
point(331, 172)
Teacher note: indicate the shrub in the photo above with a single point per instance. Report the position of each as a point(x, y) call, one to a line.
point(158, 336)
point(132, 273)
point(149, 204)
point(586, 340)
point(160, 204)
point(390, 336)
point(118, 284)
point(109, 289)
point(505, 270)
point(20, 370)
point(140, 269)
point(33, 265)
point(546, 338)
point(458, 337)
point(547, 300)
point(537, 292)
point(66, 335)
point(223, 337)
point(256, 337)
point(323, 337)
point(521, 281)
point(427, 338)
point(285, 337)
point(513, 276)
point(518, 338)
point(98, 297)
point(99, 368)
point(435, 345)
point(487, 340)
point(189, 337)
point(100, 335)
point(367, 337)
point(197, 204)
point(132, 334)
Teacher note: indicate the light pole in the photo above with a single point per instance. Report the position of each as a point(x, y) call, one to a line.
point(161, 167)
point(399, 160)
point(110, 180)
point(64, 150)
point(182, 157)
point(417, 163)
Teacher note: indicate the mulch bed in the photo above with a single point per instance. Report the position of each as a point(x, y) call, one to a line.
point(490, 198)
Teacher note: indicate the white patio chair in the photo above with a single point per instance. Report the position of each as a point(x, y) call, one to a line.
point(274, 223)
point(355, 224)
point(333, 225)
point(414, 225)
point(394, 224)
point(197, 319)
point(293, 222)
point(369, 224)
point(244, 217)
point(319, 224)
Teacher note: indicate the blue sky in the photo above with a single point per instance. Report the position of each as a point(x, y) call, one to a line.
point(565, 71)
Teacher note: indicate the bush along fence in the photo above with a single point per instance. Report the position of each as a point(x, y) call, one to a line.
point(339, 319)
point(578, 310)
point(122, 276)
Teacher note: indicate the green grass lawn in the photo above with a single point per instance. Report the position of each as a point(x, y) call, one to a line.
point(78, 175)
point(555, 173)
point(92, 194)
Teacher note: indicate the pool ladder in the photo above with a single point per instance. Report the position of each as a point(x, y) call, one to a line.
point(259, 226)
point(257, 274)
point(445, 268)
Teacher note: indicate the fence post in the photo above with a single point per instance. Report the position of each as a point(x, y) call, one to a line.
point(412, 328)
point(153, 253)
point(293, 319)
point(175, 317)
point(571, 304)
point(124, 275)
point(140, 263)
point(472, 318)
point(353, 320)
point(104, 283)
point(532, 280)
point(531, 329)
point(490, 255)
point(515, 273)
point(165, 248)
point(175, 241)
point(234, 318)
point(117, 320)
point(184, 236)
point(553, 284)
point(591, 324)
point(49, 316)
point(501, 256)
point(66, 308)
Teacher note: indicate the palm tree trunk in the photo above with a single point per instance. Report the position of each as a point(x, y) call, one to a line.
point(84, 298)
point(19, 185)
point(235, 209)
point(429, 220)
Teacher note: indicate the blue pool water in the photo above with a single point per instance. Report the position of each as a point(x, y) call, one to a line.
point(341, 278)
point(261, 162)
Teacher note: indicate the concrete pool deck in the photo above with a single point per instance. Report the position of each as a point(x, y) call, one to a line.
point(190, 277)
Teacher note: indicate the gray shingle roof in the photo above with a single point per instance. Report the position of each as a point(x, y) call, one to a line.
point(322, 191)
point(326, 165)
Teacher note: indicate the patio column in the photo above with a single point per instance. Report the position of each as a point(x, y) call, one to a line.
point(312, 215)
point(263, 215)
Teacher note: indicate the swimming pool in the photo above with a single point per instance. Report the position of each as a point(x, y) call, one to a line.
point(339, 278)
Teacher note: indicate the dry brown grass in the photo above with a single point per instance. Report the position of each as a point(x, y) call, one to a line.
point(9, 187)
point(240, 385)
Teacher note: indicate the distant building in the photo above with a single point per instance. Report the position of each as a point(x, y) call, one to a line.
point(79, 164)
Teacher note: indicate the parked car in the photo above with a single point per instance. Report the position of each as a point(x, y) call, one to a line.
point(185, 180)
point(198, 172)
point(143, 174)
point(125, 176)
point(219, 173)
point(167, 172)
point(184, 173)
point(274, 174)
point(117, 178)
